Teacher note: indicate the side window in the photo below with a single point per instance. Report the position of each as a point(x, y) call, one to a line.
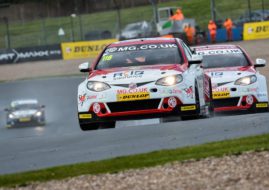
point(187, 51)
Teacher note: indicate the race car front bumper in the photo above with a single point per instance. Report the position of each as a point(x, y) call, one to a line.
point(26, 121)
point(248, 102)
point(151, 108)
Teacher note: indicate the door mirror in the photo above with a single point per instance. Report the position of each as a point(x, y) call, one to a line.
point(260, 62)
point(42, 106)
point(6, 109)
point(196, 59)
point(84, 67)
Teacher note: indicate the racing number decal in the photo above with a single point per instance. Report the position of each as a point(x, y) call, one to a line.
point(107, 57)
point(134, 96)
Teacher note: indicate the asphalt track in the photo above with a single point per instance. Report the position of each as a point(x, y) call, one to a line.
point(61, 142)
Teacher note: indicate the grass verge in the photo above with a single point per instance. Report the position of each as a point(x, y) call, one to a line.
point(216, 149)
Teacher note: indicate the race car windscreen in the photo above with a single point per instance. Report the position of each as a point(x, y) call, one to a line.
point(26, 106)
point(223, 58)
point(139, 55)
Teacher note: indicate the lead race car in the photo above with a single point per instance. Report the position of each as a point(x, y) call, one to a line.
point(142, 78)
point(235, 82)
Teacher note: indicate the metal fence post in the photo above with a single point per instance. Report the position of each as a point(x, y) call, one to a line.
point(80, 28)
point(43, 28)
point(249, 10)
point(72, 27)
point(7, 31)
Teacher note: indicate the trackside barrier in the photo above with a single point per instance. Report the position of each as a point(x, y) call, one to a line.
point(38, 53)
point(256, 30)
point(89, 49)
point(222, 35)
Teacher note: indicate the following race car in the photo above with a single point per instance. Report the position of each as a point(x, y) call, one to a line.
point(25, 113)
point(141, 78)
point(235, 82)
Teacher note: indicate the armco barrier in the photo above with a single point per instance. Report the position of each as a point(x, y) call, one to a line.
point(39, 53)
point(89, 49)
point(256, 30)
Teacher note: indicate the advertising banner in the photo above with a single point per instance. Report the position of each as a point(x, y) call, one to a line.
point(28, 54)
point(89, 49)
point(256, 30)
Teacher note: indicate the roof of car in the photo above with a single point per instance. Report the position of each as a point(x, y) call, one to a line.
point(26, 101)
point(143, 41)
point(213, 47)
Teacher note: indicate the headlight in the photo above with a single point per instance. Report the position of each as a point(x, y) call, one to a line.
point(170, 80)
point(246, 80)
point(38, 114)
point(97, 86)
point(11, 116)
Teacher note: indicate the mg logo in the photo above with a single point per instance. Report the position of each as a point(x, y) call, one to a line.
point(132, 86)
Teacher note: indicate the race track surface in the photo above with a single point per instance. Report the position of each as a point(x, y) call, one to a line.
point(61, 141)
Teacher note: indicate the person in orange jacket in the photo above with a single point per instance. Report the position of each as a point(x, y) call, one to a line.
point(212, 27)
point(228, 24)
point(177, 16)
point(190, 33)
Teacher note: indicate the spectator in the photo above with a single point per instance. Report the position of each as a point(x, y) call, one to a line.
point(228, 24)
point(212, 31)
point(190, 33)
point(178, 16)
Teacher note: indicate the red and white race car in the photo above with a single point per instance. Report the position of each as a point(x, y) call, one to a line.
point(235, 82)
point(140, 78)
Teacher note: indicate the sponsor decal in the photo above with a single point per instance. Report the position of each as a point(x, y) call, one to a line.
point(128, 75)
point(189, 92)
point(171, 91)
point(30, 54)
point(249, 99)
point(172, 102)
point(219, 95)
point(216, 74)
point(261, 95)
point(140, 47)
point(174, 91)
point(92, 97)
point(82, 99)
point(134, 96)
point(220, 51)
point(85, 116)
point(256, 30)
point(261, 105)
point(221, 89)
point(250, 90)
point(88, 49)
point(188, 108)
point(96, 108)
point(130, 91)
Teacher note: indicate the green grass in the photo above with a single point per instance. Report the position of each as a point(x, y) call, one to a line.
point(31, 33)
point(216, 149)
